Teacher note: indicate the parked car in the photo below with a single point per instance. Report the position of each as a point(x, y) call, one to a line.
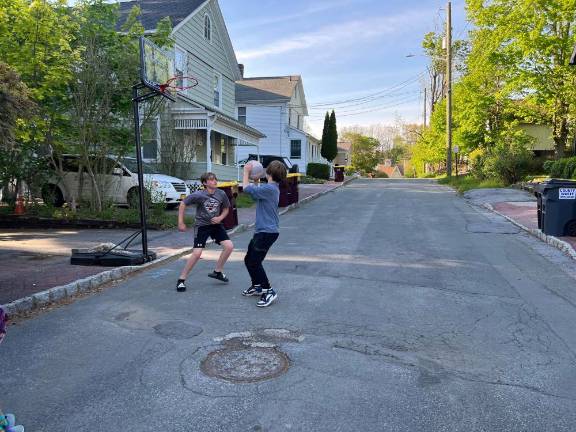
point(119, 182)
point(266, 159)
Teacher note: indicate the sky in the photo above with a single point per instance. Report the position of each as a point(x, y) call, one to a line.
point(351, 54)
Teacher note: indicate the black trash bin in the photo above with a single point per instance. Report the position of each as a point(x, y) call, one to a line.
point(557, 207)
point(339, 173)
point(231, 190)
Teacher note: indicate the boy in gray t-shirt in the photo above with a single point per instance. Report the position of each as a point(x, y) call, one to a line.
point(212, 206)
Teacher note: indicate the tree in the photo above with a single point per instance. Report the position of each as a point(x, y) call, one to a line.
point(333, 149)
point(35, 41)
point(537, 39)
point(329, 149)
point(325, 136)
point(364, 152)
point(100, 92)
point(16, 106)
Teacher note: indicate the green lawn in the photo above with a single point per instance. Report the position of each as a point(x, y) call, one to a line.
point(244, 201)
point(465, 183)
point(156, 216)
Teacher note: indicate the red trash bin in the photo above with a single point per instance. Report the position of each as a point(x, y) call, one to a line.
point(231, 190)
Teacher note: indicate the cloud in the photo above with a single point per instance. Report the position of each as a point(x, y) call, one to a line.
point(312, 9)
point(339, 35)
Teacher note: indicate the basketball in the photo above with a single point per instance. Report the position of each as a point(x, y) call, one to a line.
point(256, 170)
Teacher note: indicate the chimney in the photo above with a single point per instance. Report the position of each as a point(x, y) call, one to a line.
point(241, 67)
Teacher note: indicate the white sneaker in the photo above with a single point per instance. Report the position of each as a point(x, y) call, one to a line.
point(267, 299)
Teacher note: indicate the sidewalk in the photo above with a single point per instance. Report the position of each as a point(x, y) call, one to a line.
point(519, 207)
point(35, 264)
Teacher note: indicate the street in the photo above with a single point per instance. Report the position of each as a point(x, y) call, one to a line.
point(400, 307)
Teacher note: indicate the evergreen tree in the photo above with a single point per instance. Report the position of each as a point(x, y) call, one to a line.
point(325, 133)
point(332, 150)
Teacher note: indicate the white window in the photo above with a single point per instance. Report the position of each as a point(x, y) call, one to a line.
point(242, 115)
point(180, 62)
point(217, 90)
point(151, 139)
point(207, 28)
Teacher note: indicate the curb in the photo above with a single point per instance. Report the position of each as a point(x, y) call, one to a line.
point(551, 240)
point(86, 285)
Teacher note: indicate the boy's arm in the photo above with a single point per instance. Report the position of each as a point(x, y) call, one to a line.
point(181, 212)
point(221, 217)
point(246, 175)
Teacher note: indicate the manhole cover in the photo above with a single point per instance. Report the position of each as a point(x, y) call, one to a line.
point(177, 330)
point(245, 364)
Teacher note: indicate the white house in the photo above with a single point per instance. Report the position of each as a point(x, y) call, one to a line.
point(276, 106)
point(204, 117)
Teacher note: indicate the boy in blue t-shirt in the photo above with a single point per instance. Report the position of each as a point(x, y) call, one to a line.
point(266, 230)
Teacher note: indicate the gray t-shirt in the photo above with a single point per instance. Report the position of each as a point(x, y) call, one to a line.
point(207, 205)
point(267, 196)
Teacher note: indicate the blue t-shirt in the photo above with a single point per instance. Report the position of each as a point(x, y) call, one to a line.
point(267, 196)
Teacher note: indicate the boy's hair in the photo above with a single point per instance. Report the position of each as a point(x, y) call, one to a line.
point(207, 176)
point(276, 170)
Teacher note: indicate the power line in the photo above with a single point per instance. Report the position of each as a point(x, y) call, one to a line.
point(381, 92)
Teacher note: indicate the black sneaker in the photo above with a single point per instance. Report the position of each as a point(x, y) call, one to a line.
point(218, 275)
point(180, 286)
point(252, 291)
point(267, 298)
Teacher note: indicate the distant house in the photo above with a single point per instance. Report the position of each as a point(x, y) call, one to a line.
point(343, 157)
point(276, 106)
point(204, 117)
point(543, 142)
point(392, 171)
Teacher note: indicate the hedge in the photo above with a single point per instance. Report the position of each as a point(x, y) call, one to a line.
point(318, 170)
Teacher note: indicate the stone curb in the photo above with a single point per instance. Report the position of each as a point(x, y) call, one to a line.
point(551, 240)
point(81, 286)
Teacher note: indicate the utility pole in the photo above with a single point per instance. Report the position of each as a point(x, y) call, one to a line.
point(449, 89)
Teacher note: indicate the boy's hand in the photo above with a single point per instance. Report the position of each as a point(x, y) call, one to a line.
point(216, 220)
point(181, 226)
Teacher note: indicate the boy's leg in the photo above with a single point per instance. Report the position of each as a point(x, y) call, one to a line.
point(194, 257)
point(227, 248)
point(201, 235)
point(219, 234)
point(257, 251)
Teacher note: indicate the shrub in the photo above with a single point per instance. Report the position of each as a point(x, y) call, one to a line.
point(477, 158)
point(557, 169)
point(380, 175)
point(547, 166)
point(310, 180)
point(349, 170)
point(509, 161)
point(318, 170)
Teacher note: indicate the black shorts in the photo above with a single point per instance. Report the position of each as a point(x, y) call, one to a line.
point(217, 232)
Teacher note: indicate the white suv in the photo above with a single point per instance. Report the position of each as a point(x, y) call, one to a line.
point(119, 183)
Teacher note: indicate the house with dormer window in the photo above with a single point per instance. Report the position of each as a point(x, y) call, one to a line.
point(276, 106)
point(204, 118)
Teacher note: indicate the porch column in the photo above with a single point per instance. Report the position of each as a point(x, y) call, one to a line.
point(209, 146)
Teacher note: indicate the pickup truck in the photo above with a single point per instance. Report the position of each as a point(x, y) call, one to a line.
point(266, 159)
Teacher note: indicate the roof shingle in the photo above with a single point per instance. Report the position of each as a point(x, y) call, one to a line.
point(266, 88)
point(154, 10)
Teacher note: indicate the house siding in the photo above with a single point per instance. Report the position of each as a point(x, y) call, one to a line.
point(206, 58)
point(266, 119)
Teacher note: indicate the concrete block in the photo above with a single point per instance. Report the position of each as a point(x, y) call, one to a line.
point(41, 299)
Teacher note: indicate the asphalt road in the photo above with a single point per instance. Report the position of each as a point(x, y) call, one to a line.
point(401, 308)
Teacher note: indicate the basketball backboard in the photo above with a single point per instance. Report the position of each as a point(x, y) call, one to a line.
point(156, 64)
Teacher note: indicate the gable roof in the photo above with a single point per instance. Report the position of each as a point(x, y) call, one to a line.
point(154, 10)
point(279, 88)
